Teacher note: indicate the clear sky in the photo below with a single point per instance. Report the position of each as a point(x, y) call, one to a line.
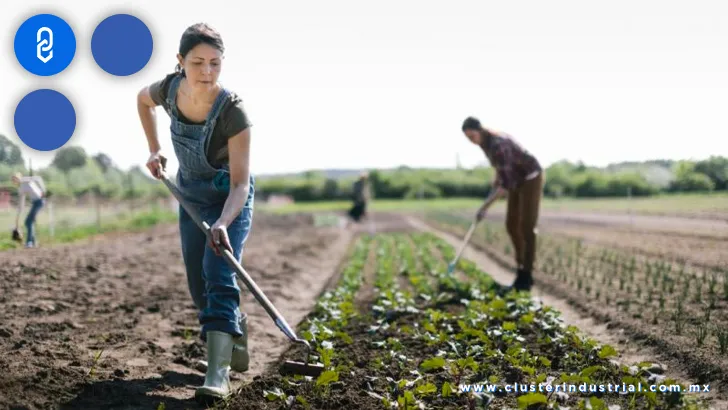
point(385, 83)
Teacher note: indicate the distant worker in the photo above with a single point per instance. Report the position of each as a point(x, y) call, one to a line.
point(33, 187)
point(360, 197)
point(519, 176)
point(210, 134)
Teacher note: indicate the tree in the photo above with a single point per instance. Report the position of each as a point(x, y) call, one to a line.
point(10, 153)
point(687, 179)
point(716, 168)
point(104, 161)
point(68, 158)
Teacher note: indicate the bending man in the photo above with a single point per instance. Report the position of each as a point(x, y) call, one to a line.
point(519, 176)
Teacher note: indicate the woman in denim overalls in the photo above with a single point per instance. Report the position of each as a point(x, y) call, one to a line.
point(223, 197)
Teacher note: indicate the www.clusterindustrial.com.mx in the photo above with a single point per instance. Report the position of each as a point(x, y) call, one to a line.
point(582, 388)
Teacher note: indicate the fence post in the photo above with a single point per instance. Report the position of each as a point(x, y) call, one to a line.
point(98, 210)
point(629, 206)
point(50, 217)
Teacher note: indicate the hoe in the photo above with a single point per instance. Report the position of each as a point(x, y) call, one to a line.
point(288, 367)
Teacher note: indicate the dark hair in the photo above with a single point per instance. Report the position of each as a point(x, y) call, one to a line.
point(472, 123)
point(195, 35)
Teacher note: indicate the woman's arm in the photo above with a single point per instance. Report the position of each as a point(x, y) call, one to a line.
point(239, 152)
point(147, 115)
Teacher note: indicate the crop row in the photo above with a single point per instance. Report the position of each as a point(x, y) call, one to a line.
point(422, 334)
point(679, 299)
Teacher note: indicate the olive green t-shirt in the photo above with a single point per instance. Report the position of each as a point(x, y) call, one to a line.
point(232, 120)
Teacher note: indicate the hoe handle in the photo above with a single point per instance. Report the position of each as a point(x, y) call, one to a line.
point(465, 243)
point(235, 265)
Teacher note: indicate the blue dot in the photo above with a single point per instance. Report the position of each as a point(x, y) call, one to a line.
point(45, 44)
point(45, 120)
point(122, 45)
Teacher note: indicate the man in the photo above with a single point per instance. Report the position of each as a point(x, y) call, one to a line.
point(36, 190)
point(519, 176)
point(360, 196)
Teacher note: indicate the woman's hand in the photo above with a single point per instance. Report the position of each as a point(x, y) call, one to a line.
point(220, 239)
point(156, 164)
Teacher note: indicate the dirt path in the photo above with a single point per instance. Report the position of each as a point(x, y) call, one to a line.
point(110, 323)
point(700, 241)
point(630, 352)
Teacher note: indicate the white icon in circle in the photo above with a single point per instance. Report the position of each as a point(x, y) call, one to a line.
point(45, 45)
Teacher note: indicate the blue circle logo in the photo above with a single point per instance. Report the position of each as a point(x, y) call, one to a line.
point(122, 45)
point(45, 44)
point(45, 120)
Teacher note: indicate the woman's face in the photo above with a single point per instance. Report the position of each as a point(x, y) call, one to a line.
point(202, 66)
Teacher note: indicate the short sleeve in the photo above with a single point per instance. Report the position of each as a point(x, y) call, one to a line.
point(159, 90)
point(235, 118)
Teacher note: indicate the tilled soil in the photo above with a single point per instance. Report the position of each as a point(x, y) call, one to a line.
point(702, 242)
point(643, 339)
point(110, 324)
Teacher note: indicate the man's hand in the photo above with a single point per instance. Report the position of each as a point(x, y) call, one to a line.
point(481, 213)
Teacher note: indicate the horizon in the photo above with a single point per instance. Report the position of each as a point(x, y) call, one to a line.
point(396, 95)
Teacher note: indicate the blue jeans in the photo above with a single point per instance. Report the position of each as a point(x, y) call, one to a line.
point(35, 207)
point(212, 282)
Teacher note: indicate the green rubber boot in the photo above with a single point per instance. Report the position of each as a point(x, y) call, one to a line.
point(240, 360)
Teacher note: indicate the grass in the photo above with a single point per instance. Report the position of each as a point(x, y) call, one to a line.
point(675, 204)
point(119, 222)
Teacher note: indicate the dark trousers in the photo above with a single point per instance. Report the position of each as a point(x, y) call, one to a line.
point(524, 203)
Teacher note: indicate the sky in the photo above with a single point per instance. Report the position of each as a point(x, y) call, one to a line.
point(371, 84)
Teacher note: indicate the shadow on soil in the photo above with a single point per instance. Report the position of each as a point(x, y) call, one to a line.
point(136, 394)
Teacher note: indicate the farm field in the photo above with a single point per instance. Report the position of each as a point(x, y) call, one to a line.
point(398, 332)
point(702, 206)
point(664, 285)
point(109, 323)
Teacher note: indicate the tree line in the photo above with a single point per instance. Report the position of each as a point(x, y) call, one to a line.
point(74, 174)
point(562, 179)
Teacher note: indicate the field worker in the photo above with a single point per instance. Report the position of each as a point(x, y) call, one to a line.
point(360, 197)
point(33, 187)
point(210, 133)
point(519, 176)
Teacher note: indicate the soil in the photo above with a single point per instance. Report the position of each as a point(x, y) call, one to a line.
point(702, 242)
point(110, 323)
point(636, 340)
point(364, 381)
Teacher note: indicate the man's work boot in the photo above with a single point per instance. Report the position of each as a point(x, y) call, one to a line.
point(217, 378)
point(240, 360)
point(524, 280)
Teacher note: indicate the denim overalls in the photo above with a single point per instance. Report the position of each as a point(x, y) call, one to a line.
point(211, 281)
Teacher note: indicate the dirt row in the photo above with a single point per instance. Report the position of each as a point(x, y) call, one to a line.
point(700, 241)
point(636, 340)
point(110, 323)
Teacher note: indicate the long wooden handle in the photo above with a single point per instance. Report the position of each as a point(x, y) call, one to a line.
point(465, 243)
point(230, 259)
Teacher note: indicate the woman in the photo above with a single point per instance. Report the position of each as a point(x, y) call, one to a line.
point(519, 176)
point(211, 139)
point(34, 188)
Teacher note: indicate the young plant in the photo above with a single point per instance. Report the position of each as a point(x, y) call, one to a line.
point(722, 335)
